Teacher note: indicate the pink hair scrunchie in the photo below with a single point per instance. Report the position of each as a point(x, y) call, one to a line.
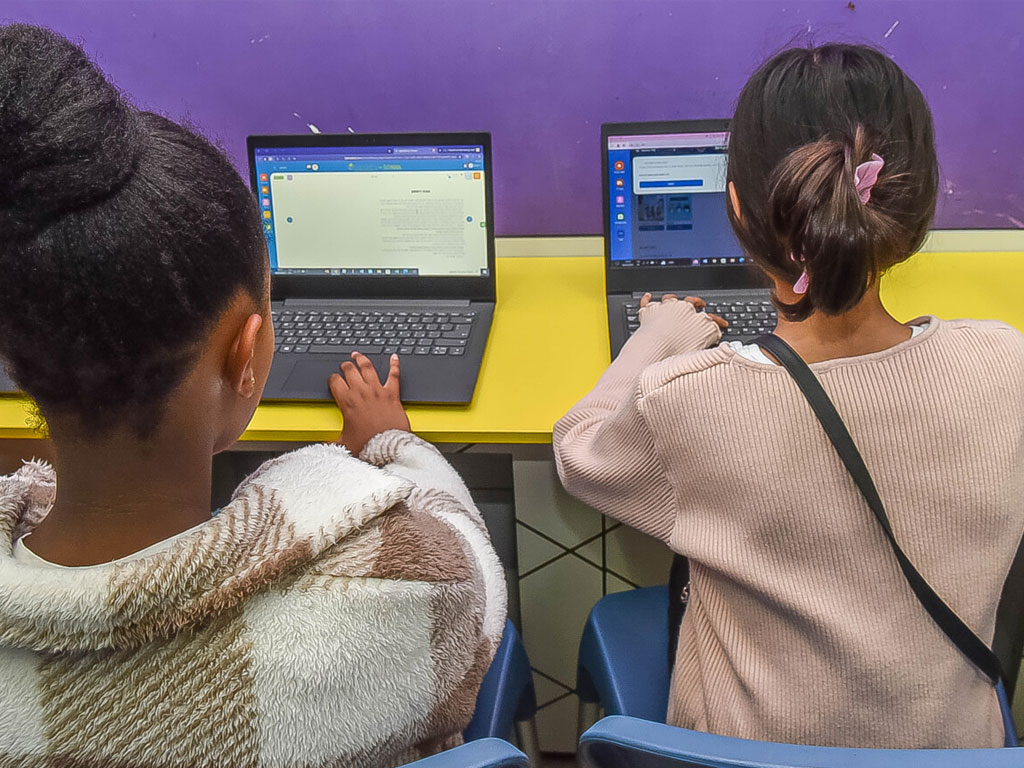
point(864, 178)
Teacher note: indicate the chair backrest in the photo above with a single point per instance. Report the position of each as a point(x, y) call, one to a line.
point(625, 742)
point(485, 753)
point(623, 658)
point(506, 694)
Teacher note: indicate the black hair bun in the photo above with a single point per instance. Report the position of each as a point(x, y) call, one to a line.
point(67, 137)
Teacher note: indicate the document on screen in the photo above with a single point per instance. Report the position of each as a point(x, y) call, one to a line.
point(430, 221)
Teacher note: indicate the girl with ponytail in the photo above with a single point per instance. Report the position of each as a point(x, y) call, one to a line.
point(800, 626)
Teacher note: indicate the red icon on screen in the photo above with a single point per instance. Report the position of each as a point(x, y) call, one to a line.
point(263, 177)
point(619, 165)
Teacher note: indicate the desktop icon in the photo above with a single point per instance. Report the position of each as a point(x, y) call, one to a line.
point(620, 183)
point(620, 199)
point(263, 177)
point(266, 214)
point(619, 165)
point(266, 202)
point(620, 216)
point(264, 190)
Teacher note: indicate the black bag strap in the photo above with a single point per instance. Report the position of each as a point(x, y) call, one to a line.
point(962, 635)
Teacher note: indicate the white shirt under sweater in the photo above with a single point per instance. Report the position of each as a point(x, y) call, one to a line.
point(753, 353)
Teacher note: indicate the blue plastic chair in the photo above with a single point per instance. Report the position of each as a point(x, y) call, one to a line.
point(623, 660)
point(484, 753)
point(625, 742)
point(507, 702)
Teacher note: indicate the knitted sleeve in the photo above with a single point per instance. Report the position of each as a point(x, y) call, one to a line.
point(604, 450)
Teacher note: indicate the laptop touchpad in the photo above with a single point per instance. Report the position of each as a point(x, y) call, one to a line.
point(312, 375)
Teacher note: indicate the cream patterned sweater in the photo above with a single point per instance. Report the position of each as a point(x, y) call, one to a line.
point(336, 613)
point(800, 627)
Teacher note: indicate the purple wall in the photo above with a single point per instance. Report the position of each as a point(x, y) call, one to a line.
point(542, 75)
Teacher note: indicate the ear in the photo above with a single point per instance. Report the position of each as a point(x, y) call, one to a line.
point(239, 370)
point(734, 201)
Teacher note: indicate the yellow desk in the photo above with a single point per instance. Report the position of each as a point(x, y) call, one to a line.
point(549, 343)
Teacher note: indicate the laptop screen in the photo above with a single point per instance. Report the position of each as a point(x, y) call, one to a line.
point(382, 211)
point(667, 199)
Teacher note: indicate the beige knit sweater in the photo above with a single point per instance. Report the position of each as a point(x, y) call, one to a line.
point(800, 626)
point(336, 613)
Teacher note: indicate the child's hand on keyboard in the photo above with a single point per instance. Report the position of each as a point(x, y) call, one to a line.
point(368, 407)
point(697, 303)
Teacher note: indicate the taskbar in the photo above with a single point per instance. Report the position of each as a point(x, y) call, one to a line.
point(714, 261)
point(350, 271)
point(376, 272)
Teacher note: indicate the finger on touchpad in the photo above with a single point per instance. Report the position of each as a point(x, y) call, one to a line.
point(312, 375)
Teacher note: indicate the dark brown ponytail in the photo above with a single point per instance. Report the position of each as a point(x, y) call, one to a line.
point(803, 124)
point(816, 211)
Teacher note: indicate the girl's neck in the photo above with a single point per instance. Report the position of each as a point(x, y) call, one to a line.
point(865, 329)
point(120, 495)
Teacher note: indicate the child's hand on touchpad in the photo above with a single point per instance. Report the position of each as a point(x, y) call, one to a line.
point(367, 406)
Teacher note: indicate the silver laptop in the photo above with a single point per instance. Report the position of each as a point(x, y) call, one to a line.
point(666, 229)
point(380, 244)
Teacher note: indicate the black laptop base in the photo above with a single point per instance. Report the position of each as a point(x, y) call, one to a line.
point(440, 352)
point(748, 311)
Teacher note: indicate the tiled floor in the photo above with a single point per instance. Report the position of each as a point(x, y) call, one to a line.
point(569, 556)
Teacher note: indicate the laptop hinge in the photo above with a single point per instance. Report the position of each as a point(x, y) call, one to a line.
point(359, 302)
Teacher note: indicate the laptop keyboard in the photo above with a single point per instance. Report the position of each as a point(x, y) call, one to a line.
point(440, 334)
point(747, 318)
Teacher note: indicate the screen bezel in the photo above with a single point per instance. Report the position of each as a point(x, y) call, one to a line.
point(619, 280)
point(346, 286)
